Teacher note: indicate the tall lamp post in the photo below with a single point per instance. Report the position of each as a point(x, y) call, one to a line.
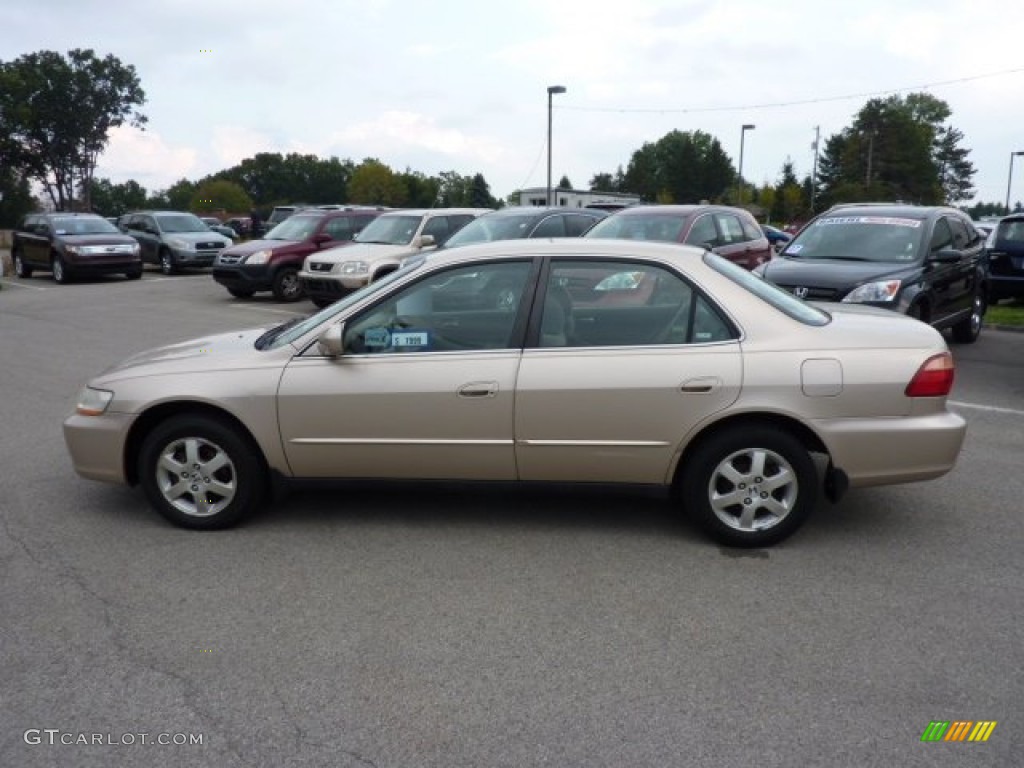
point(739, 183)
point(552, 90)
point(1009, 178)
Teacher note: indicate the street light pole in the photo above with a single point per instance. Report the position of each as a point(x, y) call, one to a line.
point(739, 183)
point(1009, 179)
point(552, 90)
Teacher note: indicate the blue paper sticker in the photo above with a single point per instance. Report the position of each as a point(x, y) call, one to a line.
point(377, 337)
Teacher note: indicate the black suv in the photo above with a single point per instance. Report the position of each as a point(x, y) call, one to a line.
point(926, 262)
point(71, 244)
point(1006, 258)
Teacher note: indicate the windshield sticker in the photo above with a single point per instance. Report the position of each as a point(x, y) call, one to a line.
point(883, 220)
point(377, 337)
point(796, 248)
point(410, 339)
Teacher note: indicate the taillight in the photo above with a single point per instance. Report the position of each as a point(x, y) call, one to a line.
point(933, 379)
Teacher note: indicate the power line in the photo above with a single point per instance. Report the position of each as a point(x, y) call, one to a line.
point(801, 102)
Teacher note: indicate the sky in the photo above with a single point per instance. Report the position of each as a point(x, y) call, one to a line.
point(450, 85)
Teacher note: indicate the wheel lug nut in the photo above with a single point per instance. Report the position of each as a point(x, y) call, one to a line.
point(195, 488)
point(764, 495)
point(184, 475)
point(746, 501)
point(206, 480)
point(742, 486)
point(757, 479)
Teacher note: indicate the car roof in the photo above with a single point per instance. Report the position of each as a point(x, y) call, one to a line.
point(542, 210)
point(576, 247)
point(435, 211)
point(904, 210)
point(672, 210)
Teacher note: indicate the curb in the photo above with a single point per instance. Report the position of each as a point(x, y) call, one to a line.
point(1010, 328)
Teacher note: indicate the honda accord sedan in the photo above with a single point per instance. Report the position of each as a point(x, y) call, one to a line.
point(606, 361)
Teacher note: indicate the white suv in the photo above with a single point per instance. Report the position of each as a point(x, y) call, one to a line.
point(379, 249)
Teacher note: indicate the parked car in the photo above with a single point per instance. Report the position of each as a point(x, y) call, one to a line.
point(747, 400)
point(776, 237)
point(379, 249)
point(273, 262)
point(924, 261)
point(242, 225)
point(221, 229)
point(730, 232)
point(518, 222)
point(173, 239)
point(72, 244)
point(1005, 249)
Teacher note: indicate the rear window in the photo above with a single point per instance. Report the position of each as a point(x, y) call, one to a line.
point(771, 294)
point(658, 227)
point(1010, 233)
point(859, 238)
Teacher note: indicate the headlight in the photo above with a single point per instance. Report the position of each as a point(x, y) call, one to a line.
point(181, 245)
point(135, 249)
point(93, 402)
point(883, 290)
point(74, 250)
point(354, 268)
point(260, 257)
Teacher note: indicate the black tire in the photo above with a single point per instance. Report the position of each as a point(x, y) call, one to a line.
point(321, 303)
point(61, 274)
point(135, 274)
point(167, 264)
point(21, 269)
point(968, 330)
point(287, 286)
point(758, 505)
point(241, 293)
point(190, 496)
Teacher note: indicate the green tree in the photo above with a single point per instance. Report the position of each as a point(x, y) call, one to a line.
point(179, 195)
point(56, 114)
point(682, 167)
point(373, 183)
point(564, 183)
point(109, 199)
point(421, 190)
point(15, 198)
point(270, 178)
point(608, 182)
point(220, 195)
point(480, 193)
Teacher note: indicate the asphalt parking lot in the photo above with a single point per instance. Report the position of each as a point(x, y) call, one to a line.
point(458, 625)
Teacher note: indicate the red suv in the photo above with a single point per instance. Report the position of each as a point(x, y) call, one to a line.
point(730, 232)
point(273, 263)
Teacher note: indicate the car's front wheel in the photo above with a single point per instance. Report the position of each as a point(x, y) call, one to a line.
point(241, 293)
point(167, 265)
point(60, 270)
point(750, 486)
point(20, 268)
point(968, 330)
point(286, 285)
point(200, 472)
point(321, 303)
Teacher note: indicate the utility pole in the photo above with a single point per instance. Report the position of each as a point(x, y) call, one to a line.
point(814, 168)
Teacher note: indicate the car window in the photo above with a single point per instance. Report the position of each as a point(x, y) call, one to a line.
point(577, 224)
point(703, 232)
point(961, 237)
point(608, 303)
point(552, 226)
point(468, 308)
point(858, 238)
point(1010, 232)
point(942, 236)
point(751, 229)
point(730, 227)
point(339, 228)
point(438, 227)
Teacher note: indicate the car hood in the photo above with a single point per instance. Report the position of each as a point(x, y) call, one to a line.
point(251, 246)
point(215, 352)
point(832, 273)
point(98, 239)
point(363, 252)
point(197, 237)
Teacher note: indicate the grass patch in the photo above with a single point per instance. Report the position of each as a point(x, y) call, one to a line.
point(1006, 313)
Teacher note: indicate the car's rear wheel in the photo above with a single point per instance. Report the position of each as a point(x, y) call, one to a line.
point(200, 472)
point(59, 269)
point(286, 285)
point(20, 268)
point(167, 265)
point(241, 293)
point(750, 486)
point(134, 274)
point(321, 303)
point(968, 329)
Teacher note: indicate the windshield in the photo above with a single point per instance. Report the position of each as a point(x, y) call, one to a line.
point(1009, 234)
point(288, 332)
point(180, 222)
point(859, 238)
point(782, 300)
point(294, 228)
point(488, 228)
point(390, 230)
point(83, 225)
point(653, 226)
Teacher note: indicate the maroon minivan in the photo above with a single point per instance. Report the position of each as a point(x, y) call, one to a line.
point(730, 232)
point(273, 262)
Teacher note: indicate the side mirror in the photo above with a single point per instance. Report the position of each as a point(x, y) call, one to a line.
point(424, 241)
point(946, 256)
point(321, 238)
point(330, 341)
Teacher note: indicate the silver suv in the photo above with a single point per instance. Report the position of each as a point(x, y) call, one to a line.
point(379, 249)
point(173, 239)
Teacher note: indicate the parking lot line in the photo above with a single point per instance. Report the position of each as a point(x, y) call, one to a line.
point(989, 408)
point(269, 309)
point(19, 285)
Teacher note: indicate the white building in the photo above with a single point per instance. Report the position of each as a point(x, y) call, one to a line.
point(577, 198)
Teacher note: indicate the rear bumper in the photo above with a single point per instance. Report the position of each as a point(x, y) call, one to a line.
point(897, 450)
point(1005, 286)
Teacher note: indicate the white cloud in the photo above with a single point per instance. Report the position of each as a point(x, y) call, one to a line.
point(146, 157)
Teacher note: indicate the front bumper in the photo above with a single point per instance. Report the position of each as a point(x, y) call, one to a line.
point(243, 276)
point(893, 450)
point(109, 265)
point(194, 258)
point(96, 445)
point(322, 286)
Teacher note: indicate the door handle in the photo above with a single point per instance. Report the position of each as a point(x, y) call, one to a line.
point(700, 385)
point(478, 389)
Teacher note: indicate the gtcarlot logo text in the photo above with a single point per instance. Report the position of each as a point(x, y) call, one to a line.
point(54, 736)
